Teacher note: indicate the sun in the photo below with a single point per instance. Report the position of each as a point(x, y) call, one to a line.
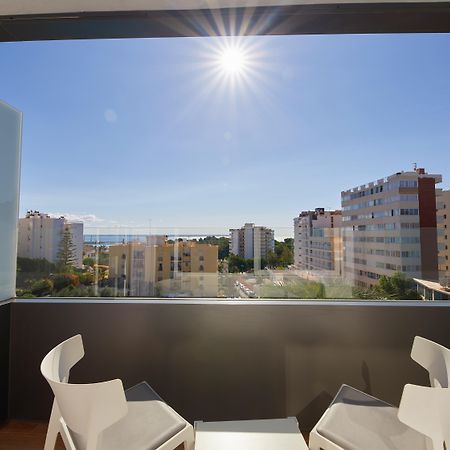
point(233, 64)
point(233, 61)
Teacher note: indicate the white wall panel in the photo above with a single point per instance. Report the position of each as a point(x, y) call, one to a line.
point(10, 150)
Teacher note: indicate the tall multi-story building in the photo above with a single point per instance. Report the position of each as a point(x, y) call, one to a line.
point(180, 269)
point(40, 237)
point(318, 241)
point(252, 242)
point(444, 236)
point(390, 226)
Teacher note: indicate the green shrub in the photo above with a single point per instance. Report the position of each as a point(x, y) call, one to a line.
point(42, 287)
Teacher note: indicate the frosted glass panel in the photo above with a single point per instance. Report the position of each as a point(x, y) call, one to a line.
point(10, 147)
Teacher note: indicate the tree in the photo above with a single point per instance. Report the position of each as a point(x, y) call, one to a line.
point(63, 280)
point(285, 252)
point(42, 287)
point(237, 264)
point(272, 259)
point(88, 262)
point(283, 255)
point(396, 287)
point(87, 278)
point(67, 252)
point(30, 270)
point(222, 242)
point(34, 265)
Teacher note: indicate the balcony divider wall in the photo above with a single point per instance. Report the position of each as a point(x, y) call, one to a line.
point(227, 360)
point(10, 150)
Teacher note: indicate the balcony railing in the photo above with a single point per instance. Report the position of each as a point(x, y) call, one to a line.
point(219, 360)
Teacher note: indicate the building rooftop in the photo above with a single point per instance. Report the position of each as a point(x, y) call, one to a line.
point(419, 173)
point(433, 285)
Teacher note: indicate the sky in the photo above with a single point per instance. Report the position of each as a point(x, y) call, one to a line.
point(157, 134)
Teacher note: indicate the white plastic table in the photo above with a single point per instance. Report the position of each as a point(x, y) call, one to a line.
point(272, 434)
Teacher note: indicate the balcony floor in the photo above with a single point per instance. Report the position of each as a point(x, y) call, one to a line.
point(27, 435)
point(24, 435)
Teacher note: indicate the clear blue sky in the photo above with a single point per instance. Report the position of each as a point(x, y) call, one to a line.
point(130, 131)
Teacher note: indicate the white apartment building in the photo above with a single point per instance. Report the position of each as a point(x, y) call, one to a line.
point(318, 241)
point(40, 237)
point(252, 242)
point(444, 236)
point(390, 226)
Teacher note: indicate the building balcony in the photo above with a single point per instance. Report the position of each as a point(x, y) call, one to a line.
point(219, 360)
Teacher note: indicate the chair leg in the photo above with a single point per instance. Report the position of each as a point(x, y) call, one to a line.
point(189, 442)
point(314, 441)
point(53, 429)
point(52, 435)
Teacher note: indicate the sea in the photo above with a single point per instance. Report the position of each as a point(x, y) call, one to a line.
point(112, 239)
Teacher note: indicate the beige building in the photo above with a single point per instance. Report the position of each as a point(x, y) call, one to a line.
point(180, 269)
point(390, 226)
point(318, 241)
point(444, 236)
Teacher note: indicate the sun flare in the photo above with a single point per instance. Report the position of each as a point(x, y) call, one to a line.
point(233, 60)
point(232, 64)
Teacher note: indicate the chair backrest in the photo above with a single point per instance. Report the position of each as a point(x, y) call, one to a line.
point(86, 409)
point(58, 362)
point(433, 357)
point(427, 410)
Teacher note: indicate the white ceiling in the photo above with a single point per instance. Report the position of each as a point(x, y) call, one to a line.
point(23, 7)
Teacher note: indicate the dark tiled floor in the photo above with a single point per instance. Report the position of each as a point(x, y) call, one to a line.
point(18, 435)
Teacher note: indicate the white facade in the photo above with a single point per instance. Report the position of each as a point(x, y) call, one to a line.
point(318, 241)
point(252, 242)
point(234, 241)
point(249, 242)
point(390, 226)
point(40, 237)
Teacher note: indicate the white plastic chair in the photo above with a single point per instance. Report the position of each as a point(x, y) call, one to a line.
point(357, 421)
point(427, 410)
point(102, 416)
point(433, 357)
